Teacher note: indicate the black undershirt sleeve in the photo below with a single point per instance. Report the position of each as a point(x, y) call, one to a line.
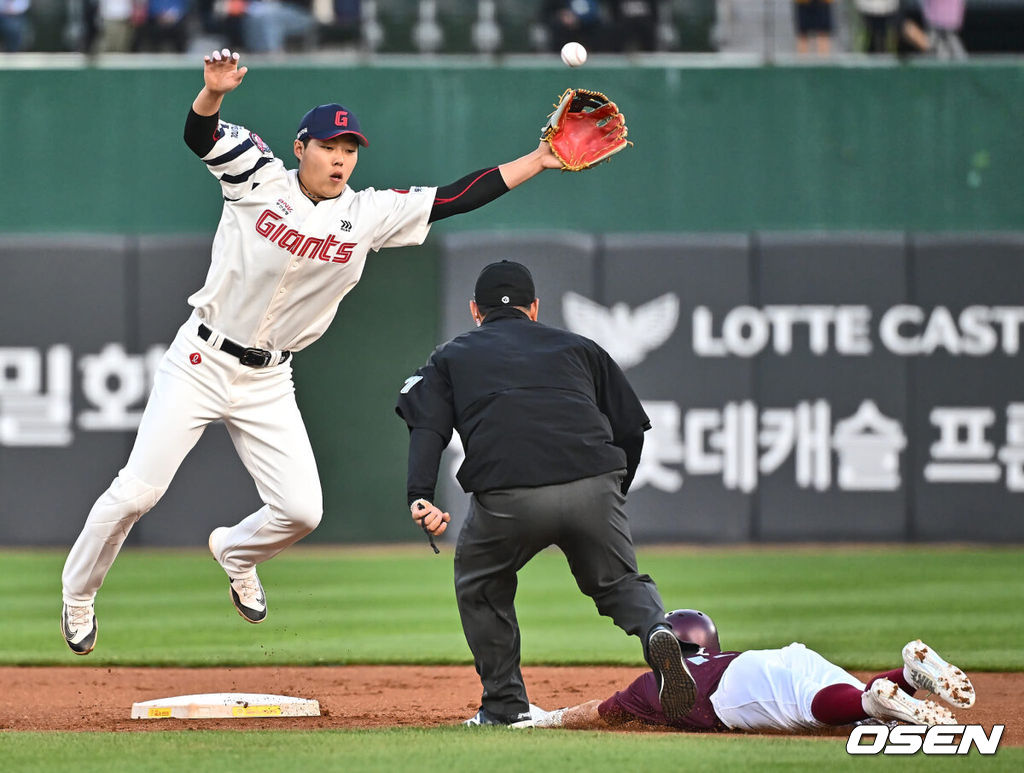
point(200, 131)
point(425, 449)
point(633, 446)
point(466, 194)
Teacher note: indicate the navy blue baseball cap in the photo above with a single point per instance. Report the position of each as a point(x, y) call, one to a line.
point(325, 122)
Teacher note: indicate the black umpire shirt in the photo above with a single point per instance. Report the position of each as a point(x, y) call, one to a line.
point(534, 406)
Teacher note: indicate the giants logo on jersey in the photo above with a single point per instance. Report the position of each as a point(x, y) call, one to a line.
point(329, 250)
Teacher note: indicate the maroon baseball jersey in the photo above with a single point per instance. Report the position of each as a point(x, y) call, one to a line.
point(640, 699)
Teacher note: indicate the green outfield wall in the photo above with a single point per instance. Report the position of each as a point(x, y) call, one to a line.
point(106, 216)
point(922, 147)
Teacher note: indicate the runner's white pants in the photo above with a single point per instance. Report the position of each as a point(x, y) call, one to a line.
point(257, 405)
point(773, 689)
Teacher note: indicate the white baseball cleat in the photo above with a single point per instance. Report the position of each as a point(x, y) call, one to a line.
point(246, 592)
point(927, 671)
point(248, 597)
point(79, 626)
point(885, 700)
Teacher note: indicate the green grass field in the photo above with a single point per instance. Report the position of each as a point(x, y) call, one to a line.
point(857, 606)
point(448, 750)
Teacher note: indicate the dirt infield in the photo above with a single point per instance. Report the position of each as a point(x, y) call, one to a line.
point(100, 699)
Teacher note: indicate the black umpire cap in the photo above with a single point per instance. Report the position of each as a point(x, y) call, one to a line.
point(505, 283)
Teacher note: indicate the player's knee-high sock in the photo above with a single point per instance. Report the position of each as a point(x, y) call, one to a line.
point(897, 675)
point(838, 704)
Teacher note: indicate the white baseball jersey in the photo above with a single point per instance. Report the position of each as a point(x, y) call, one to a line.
point(279, 269)
point(281, 264)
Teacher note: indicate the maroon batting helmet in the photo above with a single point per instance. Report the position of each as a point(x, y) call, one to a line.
point(693, 627)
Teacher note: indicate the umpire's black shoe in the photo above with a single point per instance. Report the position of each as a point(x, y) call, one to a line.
point(484, 717)
point(79, 626)
point(677, 689)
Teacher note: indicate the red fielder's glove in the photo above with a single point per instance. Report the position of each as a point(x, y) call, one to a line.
point(585, 129)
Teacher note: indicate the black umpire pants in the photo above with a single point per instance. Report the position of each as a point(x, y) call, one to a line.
point(504, 530)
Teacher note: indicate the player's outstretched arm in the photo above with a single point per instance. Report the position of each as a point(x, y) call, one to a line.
point(485, 185)
point(582, 717)
point(221, 74)
point(526, 167)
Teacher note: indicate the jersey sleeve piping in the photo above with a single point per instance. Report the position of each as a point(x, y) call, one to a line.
point(468, 193)
point(237, 178)
point(439, 200)
point(231, 155)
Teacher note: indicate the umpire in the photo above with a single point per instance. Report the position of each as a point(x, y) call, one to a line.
point(552, 433)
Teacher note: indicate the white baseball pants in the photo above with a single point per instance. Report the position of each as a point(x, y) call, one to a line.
point(258, 407)
point(773, 689)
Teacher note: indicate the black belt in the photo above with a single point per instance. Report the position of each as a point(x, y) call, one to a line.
point(254, 358)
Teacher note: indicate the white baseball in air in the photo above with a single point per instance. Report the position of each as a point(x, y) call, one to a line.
point(573, 54)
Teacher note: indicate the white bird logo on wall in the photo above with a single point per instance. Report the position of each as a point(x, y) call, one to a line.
point(628, 336)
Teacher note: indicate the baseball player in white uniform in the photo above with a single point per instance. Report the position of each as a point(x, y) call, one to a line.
point(791, 689)
point(290, 245)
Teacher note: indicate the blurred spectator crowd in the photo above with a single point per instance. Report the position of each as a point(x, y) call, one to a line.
point(885, 26)
point(813, 27)
point(278, 26)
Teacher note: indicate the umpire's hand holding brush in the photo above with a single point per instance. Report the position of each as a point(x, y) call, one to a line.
point(430, 517)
